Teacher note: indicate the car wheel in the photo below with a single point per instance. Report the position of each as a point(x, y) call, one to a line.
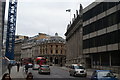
point(49, 73)
point(85, 75)
point(74, 75)
point(70, 74)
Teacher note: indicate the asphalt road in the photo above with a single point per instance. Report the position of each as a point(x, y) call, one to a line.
point(57, 73)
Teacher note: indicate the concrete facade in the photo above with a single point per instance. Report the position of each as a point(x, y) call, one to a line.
point(100, 44)
point(101, 35)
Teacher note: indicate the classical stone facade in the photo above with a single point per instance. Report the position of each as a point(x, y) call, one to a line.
point(74, 40)
point(27, 48)
point(19, 40)
point(53, 48)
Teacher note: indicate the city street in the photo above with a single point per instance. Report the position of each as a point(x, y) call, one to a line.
point(56, 73)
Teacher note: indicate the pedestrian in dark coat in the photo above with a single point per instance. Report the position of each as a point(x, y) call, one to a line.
point(6, 76)
point(9, 67)
point(18, 66)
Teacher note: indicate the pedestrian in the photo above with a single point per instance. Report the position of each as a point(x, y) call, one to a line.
point(18, 66)
point(26, 68)
point(6, 76)
point(29, 76)
point(9, 67)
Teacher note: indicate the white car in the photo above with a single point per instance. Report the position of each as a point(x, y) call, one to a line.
point(35, 66)
point(77, 70)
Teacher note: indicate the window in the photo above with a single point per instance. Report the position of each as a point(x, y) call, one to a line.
point(56, 51)
point(51, 46)
point(61, 51)
point(51, 51)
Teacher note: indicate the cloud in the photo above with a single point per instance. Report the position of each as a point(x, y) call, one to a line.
point(44, 16)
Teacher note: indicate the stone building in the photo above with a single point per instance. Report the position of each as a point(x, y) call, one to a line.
point(53, 48)
point(74, 39)
point(28, 46)
point(101, 40)
point(18, 46)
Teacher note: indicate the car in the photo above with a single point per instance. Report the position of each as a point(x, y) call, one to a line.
point(30, 65)
point(35, 67)
point(103, 75)
point(44, 69)
point(77, 70)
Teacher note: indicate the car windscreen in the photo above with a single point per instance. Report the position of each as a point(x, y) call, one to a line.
point(105, 74)
point(44, 66)
point(79, 67)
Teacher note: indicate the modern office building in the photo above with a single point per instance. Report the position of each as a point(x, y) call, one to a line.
point(101, 40)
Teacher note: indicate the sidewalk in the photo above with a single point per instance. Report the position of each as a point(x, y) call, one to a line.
point(17, 75)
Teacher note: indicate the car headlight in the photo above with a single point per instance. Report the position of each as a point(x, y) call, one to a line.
point(76, 71)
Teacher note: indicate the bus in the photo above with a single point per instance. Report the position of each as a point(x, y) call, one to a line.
point(40, 60)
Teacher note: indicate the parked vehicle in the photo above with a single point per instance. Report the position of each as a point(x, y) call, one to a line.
point(77, 70)
point(103, 75)
point(30, 65)
point(35, 67)
point(44, 69)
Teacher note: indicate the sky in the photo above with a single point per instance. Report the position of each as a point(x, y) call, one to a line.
point(46, 16)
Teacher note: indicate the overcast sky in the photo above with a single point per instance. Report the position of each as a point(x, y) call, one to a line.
point(45, 16)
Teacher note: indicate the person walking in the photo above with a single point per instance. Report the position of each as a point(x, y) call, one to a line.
point(9, 67)
point(6, 76)
point(26, 68)
point(18, 66)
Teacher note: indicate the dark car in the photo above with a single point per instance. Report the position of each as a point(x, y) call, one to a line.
point(103, 75)
point(44, 69)
point(30, 65)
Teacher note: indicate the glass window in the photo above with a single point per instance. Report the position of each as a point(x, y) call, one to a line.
point(79, 67)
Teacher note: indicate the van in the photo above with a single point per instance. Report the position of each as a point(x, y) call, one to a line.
point(77, 70)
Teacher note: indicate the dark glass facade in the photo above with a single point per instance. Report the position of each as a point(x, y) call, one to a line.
point(99, 9)
point(106, 32)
